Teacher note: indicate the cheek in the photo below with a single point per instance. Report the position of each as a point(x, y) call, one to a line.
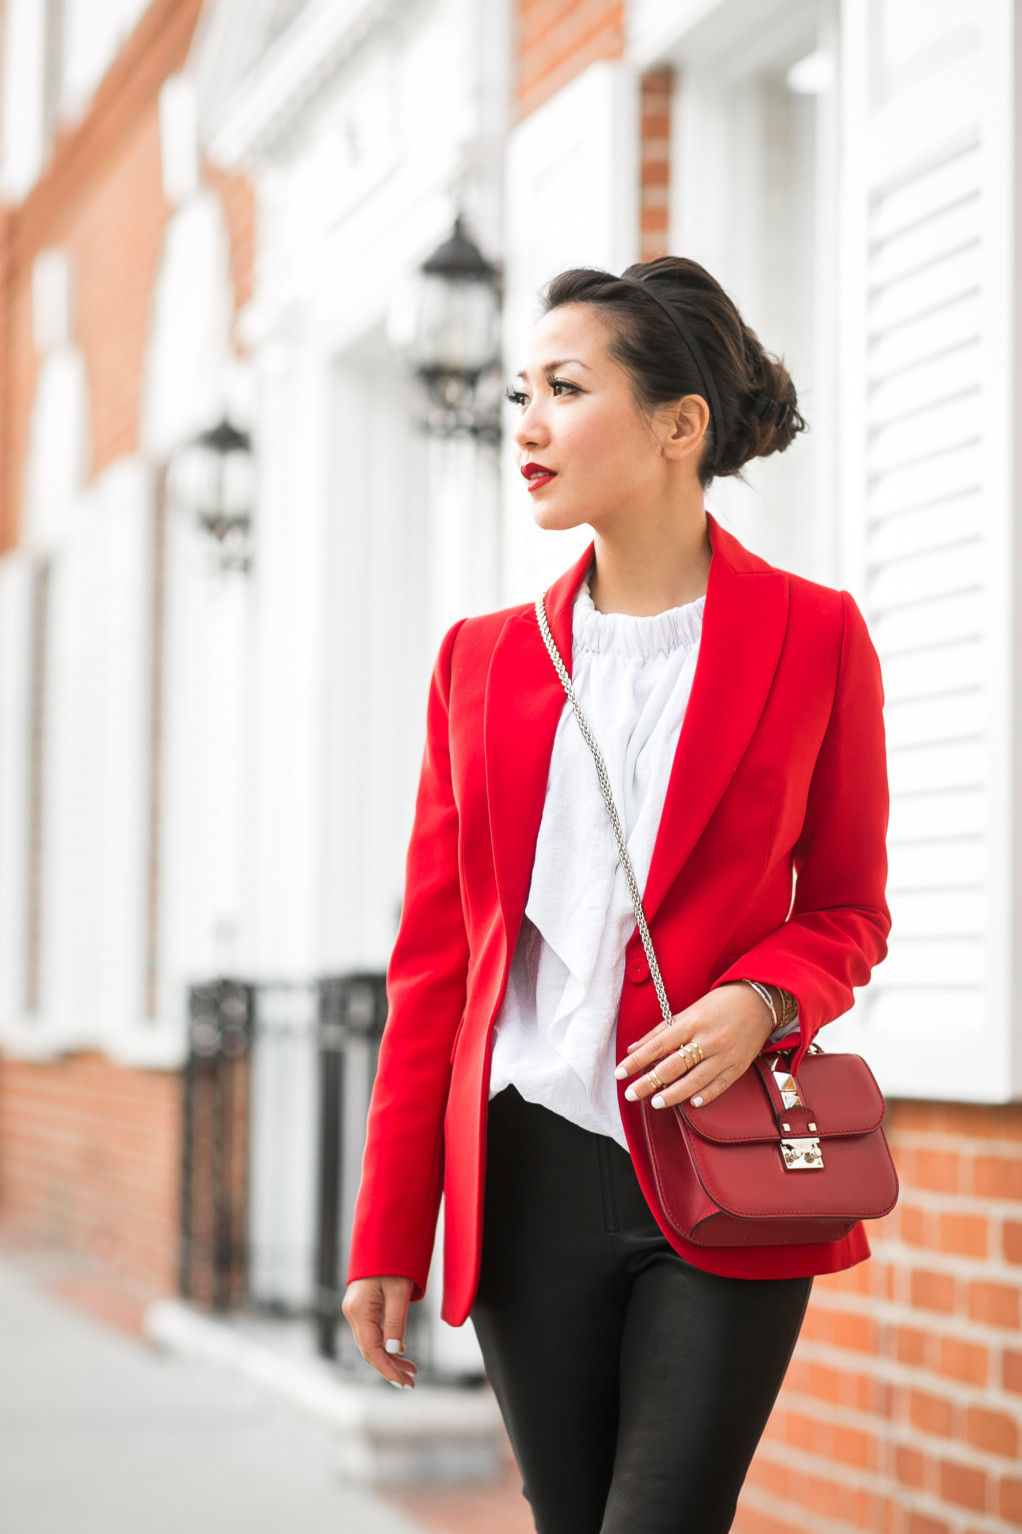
point(600, 444)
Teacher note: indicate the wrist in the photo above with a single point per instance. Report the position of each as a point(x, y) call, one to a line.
point(767, 997)
point(780, 1005)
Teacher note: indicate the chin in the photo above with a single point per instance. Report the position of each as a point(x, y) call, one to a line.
point(558, 519)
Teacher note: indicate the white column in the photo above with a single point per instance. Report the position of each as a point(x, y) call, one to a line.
point(461, 572)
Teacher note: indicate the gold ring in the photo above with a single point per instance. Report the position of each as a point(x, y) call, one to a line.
point(652, 1076)
point(686, 1057)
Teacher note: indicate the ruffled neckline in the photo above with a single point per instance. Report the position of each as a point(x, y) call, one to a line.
point(657, 634)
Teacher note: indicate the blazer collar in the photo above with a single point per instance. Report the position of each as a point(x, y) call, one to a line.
point(744, 622)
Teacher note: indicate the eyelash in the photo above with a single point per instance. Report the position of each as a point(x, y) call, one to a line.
point(518, 398)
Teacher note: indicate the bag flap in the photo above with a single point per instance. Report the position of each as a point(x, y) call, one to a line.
point(840, 1091)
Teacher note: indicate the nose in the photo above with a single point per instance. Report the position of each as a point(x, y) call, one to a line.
point(531, 430)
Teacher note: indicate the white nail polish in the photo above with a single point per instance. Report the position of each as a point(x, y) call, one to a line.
point(396, 1384)
point(620, 1073)
point(631, 1095)
point(657, 1101)
point(697, 1102)
point(392, 1345)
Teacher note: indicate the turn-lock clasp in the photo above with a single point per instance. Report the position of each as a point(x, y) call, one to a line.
point(802, 1154)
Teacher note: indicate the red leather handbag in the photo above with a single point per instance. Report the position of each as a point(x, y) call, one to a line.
point(773, 1161)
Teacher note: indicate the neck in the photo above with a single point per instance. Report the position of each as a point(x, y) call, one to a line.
point(643, 572)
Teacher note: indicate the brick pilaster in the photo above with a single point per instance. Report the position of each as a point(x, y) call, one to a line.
point(655, 163)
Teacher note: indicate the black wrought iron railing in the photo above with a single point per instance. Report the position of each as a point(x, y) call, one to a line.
point(276, 1088)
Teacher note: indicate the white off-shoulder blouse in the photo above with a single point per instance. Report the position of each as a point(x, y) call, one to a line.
point(555, 1032)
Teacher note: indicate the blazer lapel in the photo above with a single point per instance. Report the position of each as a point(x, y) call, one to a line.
point(744, 622)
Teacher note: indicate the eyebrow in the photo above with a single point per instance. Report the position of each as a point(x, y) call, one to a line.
point(551, 367)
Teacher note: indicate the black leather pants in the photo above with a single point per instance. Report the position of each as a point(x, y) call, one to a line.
point(634, 1386)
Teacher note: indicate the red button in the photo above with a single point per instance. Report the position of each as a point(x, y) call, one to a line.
point(638, 969)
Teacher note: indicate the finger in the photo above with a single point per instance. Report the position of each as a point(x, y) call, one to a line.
point(657, 1047)
point(695, 1093)
point(400, 1371)
point(647, 1037)
point(670, 1070)
point(395, 1299)
point(654, 1044)
point(650, 1042)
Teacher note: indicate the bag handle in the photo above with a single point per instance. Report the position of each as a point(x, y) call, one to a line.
point(615, 820)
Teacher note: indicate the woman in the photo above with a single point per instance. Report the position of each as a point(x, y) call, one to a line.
point(635, 1371)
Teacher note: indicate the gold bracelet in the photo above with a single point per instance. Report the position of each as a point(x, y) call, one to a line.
point(788, 1004)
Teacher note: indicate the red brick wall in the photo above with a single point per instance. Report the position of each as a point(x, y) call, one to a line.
point(115, 240)
point(89, 1160)
point(556, 39)
point(902, 1410)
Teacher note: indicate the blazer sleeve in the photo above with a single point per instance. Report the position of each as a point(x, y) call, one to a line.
point(839, 922)
point(402, 1167)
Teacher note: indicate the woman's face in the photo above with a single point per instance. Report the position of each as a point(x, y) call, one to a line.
point(585, 451)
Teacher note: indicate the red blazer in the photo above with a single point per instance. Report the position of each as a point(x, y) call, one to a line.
point(780, 769)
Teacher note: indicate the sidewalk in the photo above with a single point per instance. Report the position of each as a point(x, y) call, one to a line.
point(102, 1435)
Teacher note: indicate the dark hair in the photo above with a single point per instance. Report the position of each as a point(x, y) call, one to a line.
point(756, 398)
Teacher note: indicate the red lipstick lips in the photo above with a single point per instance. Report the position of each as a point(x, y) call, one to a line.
point(538, 475)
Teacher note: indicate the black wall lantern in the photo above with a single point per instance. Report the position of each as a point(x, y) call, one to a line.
point(212, 478)
point(446, 325)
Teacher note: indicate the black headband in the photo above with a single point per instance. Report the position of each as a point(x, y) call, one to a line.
point(684, 329)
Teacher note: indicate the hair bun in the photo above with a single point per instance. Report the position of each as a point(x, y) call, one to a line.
point(774, 406)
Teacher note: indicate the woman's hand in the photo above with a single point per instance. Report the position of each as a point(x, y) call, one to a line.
point(376, 1309)
point(727, 1028)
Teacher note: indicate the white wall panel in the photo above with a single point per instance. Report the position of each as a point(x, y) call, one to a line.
point(927, 515)
point(96, 827)
point(15, 643)
point(572, 177)
point(22, 97)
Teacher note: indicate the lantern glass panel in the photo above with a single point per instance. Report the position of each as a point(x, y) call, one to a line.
point(237, 484)
point(456, 330)
point(213, 484)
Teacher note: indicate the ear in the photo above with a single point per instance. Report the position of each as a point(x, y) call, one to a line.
point(687, 426)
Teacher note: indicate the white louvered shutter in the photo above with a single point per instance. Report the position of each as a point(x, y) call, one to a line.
point(571, 200)
point(927, 484)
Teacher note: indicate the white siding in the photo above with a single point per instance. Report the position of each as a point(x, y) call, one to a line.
point(927, 518)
